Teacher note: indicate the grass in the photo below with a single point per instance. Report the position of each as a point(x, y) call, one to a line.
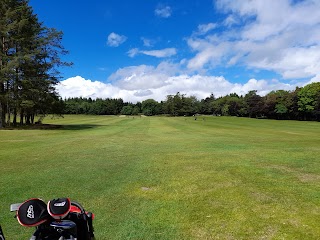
point(170, 178)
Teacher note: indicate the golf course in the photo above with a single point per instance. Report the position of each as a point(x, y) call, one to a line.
point(169, 177)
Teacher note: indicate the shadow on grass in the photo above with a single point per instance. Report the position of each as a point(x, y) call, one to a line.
point(79, 126)
point(53, 127)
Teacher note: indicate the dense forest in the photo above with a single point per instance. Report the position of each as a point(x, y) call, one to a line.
point(29, 57)
point(300, 104)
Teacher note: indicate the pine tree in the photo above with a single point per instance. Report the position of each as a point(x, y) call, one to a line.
point(29, 57)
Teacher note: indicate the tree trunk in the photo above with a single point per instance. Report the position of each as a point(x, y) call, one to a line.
point(8, 117)
point(15, 116)
point(1, 124)
point(2, 105)
point(28, 119)
point(21, 117)
point(3, 114)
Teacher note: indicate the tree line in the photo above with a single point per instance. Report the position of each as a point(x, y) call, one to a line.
point(299, 104)
point(29, 56)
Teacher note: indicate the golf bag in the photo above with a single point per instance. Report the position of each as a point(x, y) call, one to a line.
point(59, 219)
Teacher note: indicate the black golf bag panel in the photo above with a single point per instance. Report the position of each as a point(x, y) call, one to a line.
point(59, 208)
point(83, 221)
point(32, 213)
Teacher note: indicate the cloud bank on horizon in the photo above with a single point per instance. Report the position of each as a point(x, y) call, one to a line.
point(277, 36)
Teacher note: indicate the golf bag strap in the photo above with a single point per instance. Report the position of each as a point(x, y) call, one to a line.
point(1, 234)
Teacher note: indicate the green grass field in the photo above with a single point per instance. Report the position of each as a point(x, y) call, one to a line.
point(170, 178)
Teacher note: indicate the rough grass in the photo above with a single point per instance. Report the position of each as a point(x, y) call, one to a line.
point(170, 178)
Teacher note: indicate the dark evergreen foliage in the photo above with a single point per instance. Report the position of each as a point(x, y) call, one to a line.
point(29, 57)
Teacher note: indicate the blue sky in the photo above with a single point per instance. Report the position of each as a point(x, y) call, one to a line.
point(149, 49)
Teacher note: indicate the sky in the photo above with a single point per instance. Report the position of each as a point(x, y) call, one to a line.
point(148, 49)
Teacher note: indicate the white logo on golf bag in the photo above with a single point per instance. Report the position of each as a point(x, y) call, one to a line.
point(30, 212)
point(59, 204)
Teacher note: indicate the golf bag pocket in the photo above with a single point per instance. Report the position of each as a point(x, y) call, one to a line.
point(32, 212)
point(59, 208)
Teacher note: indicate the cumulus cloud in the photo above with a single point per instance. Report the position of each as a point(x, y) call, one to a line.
point(210, 52)
point(274, 35)
point(143, 93)
point(138, 83)
point(80, 87)
point(163, 53)
point(163, 11)
point(143, 77)
point(114, 40)
point(314, 79)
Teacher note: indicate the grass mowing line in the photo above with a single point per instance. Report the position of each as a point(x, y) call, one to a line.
point(172, 178)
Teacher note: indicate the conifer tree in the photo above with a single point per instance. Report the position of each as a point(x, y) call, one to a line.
point(29, 57)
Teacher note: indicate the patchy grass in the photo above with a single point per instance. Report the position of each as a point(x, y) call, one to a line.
point(170, 178)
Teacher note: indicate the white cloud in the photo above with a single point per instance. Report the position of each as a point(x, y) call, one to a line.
point(167, 52)
point(276, 35)
point(147, 42)
point(314, 79)
point(263, 87)
point(143, 77)
point(204, 28)
point(114, 40)
point(138, 83)
point(230, 21)
point(80, 87)
point(133, 52)
point(295, 62)
point(163, 53)
point(163, 11)
point(143, 93)
point(209, 52)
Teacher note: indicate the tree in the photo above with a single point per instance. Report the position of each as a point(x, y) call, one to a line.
point(169, 105)
point(255, 103)
point(234, 103)
point(205, 105)
point(308, 100)
point(126, 110)
point(189, 106)
point(270, 102)
point(29, 55)
point(281, 109)
point(277, 104)
point(135, 110)
point(150, 107)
